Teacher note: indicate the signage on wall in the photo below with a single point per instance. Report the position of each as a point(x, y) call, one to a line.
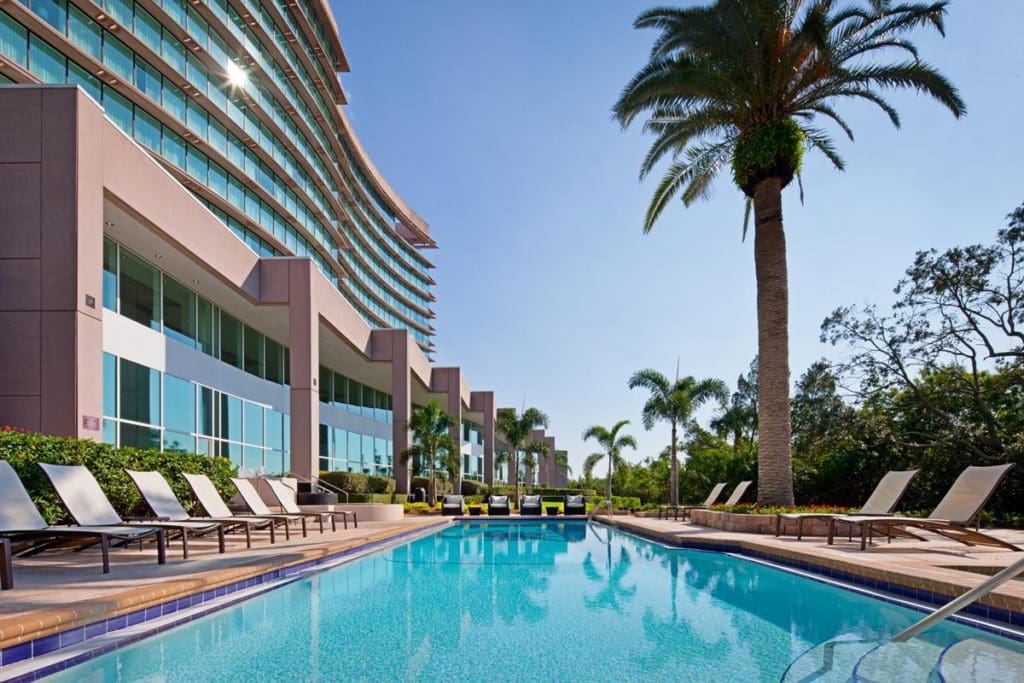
point(91, 423)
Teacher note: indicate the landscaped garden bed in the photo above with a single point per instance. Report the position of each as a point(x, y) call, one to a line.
point(752, 519)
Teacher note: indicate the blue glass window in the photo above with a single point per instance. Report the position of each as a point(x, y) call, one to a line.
point(173, 148)
point(86, 80)
point(147, 130)
point(173, 51)
point(179, 404)
point(45, 62)
point(253, 424)
point(148, 80)
point(53, 12)
point(174, 101)
point(179, 308)
point(140, 290)
point(109, 385)
point(109, 274)
point(13, 40)
point(117, 56)
point(230, 417)
point(140, 393)
point(147, 29)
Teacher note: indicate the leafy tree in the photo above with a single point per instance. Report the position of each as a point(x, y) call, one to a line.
point(431, 432)
point(739, 418)
point(612, 443)
point(675, 403)
point(742, 82)
point(516, 429)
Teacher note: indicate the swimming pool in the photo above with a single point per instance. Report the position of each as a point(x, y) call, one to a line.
point(552, 600)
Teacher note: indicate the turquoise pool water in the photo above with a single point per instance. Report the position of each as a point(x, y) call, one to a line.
point(551, 601)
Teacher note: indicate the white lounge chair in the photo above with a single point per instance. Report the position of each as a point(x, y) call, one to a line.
point(951, 518)
point(882, 501)
point(89, 506)
point(685, 509)
point(286, 499)
point(210, 500)
point(23, 530)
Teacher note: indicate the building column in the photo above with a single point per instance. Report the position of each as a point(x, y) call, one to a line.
point(483, 402)
point(304, 368)
point(51, 262)
point(401, 404)
point(547, 471)
point(449, 382)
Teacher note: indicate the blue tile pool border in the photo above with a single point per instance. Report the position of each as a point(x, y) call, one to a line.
point(893, 593)
point(47, 645)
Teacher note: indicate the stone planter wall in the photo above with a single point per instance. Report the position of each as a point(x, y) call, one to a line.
point(755, 524)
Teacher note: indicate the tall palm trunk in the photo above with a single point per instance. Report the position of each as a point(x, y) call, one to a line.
point(774, 458)
point(674, 477)
point(610, 458)
point(515, 473)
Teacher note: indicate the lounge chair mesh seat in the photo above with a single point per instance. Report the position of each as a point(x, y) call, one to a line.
point(882, 501)
point(210, 500)
point(531, 505)
point(286, 499)
point(951, 518)
point(253, 501)
point(89, 506)
point(160, 498)
point(24, 531)
point(716, 492)
point(453, 505)
point(498, 505)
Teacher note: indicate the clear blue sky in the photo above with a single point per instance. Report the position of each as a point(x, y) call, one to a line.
point(492, 120)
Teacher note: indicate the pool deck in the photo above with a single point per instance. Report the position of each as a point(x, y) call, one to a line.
point(56, 592)
point(938, 566)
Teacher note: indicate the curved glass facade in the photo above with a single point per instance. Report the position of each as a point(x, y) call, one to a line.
point(239, 100)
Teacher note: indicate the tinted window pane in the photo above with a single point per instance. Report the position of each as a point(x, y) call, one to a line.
point(274, 361)
point(253, 424)
point(253, 352)
point(110, 432)
point(340, 389)
point(140, 291)
point(109, 275)
point(253, 458)
point(275, 430)
point(232, 451)
point(325, 442)
point(369, 401)
point(230, 340)
point(340, 444)
point(53, 12)
point(140, 393)
point(85, 33)
point(230, 417)
point(177, 442)
point(147, 130)
point(355, 451)
point(89, 83)
point(325, 380)
point(179, 404)
point(274, 463)
point(206, 410)
point(204, 326)
point(117, 56)
point(109, 385)
point(133, 436)
point(179, 312)
point(13, 40)
point(355, 396)
point(45, 62)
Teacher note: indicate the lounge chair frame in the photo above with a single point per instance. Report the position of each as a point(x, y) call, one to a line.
point(957, 503)
point(716, 492)
point(289, 506)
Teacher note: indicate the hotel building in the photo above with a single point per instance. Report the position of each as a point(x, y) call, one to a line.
point(198, 254)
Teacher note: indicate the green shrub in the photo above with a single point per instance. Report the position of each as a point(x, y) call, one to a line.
point(375, 498)
point(353, 482)
point(443, 487)
point(476, 500)
point(108, 465)
point(380, 485)
point(400, 498)
point(419, 509)
point(471, 487)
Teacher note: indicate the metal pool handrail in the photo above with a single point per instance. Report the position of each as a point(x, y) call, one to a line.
point(318, 482)
point(976, 593)
point(611, 512)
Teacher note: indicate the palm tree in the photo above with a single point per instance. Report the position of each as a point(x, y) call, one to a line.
point(516, 429)
point(740, 82)
point(536, 452)
point(612, 443)
point(562, 460)
point(431, 432)
point(674, 402)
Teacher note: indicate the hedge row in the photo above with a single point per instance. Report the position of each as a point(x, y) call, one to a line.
point(357, 482)
point(505, 490)
point(108, 464)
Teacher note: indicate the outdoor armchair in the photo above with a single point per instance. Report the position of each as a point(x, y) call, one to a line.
point(498, 505)
point(453, 505)
point(574, 505)
point(531, 505)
